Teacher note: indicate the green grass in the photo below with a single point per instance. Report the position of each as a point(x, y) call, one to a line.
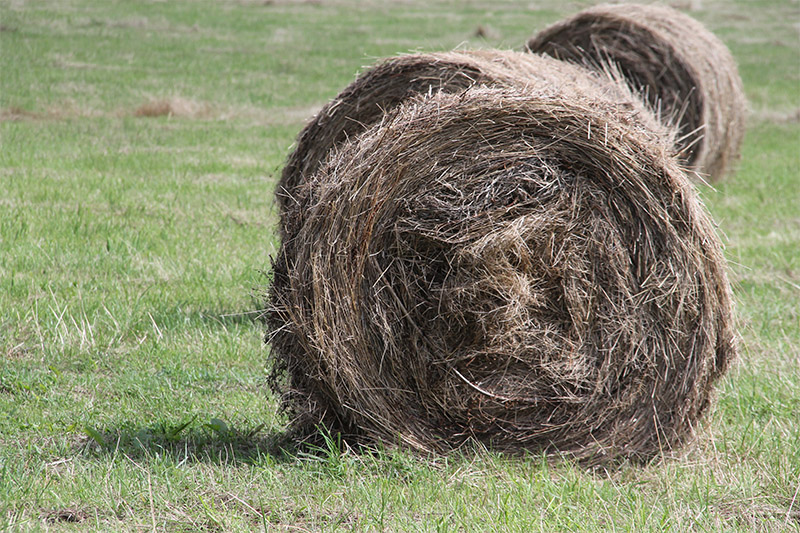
point(132, 258)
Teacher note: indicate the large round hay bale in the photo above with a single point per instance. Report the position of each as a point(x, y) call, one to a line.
point(685, 72)
point(394, 80)
point(528, 269)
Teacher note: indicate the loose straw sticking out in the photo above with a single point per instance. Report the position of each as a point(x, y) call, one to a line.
point(385, 86)
point(529, 269)
point(686, 73)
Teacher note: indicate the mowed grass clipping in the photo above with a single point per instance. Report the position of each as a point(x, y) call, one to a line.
point(140, 144)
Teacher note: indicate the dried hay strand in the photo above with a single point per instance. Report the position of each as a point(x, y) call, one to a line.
point(685, 72)
point(528, 269)
point(391, 82)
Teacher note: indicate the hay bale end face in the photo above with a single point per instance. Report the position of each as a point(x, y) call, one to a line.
point(524, 268)
point(686, 73)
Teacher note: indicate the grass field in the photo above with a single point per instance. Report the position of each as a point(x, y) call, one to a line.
point(140, 145)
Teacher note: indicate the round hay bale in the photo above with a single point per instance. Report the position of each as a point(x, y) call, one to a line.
point(685, 72)
point(528, 269)
point(394, 80)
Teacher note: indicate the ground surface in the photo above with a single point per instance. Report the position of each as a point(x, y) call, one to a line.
point(140, 144)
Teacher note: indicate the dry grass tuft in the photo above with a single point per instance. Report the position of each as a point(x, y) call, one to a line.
point(526, 268)
point(484, 31)
point(686, 73)
point(14, 113)
point(173, 107)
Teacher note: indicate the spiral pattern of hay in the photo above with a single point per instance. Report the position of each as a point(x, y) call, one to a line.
point(529, 269)
point(394, 80)
point(684, 71)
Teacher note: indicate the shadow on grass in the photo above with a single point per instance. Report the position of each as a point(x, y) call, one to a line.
point(217, 443)
point(214, 441)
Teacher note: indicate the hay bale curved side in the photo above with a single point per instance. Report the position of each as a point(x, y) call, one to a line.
point(383, 87)
point(679, 66)
point(528, 269)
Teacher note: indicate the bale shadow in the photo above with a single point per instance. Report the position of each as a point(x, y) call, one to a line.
point(191, 441)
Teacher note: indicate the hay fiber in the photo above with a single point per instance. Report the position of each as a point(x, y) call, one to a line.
point(394, 80)
point(527, 268)
point(685, 72)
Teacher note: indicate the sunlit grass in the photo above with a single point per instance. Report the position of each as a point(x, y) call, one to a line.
point(134, 248)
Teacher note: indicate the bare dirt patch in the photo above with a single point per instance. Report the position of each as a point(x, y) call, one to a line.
point(14, 113)
point(173, 107)
point(70, 514)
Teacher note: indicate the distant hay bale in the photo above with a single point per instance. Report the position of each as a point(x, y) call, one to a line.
point(679, 66)
point(529, 269)
point(394, 80)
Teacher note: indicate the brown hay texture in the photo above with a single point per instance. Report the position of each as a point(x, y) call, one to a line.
point(394, 80)
point(686, 73)
point(527, 268)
